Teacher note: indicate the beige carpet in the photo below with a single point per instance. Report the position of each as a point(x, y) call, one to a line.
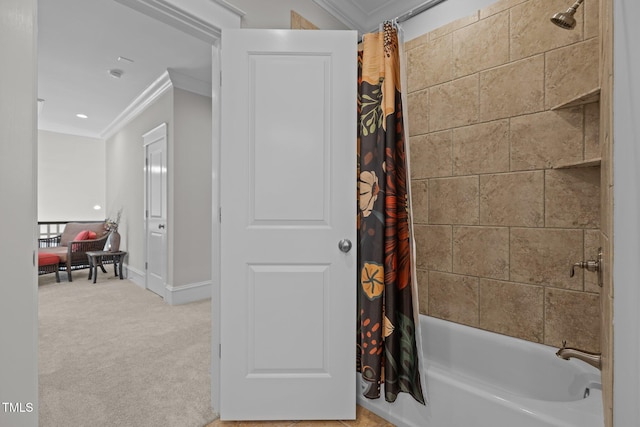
point(113, 354)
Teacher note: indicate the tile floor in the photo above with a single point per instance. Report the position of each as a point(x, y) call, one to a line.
point(364, 418)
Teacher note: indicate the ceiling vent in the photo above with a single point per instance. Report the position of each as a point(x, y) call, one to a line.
point(115, 73)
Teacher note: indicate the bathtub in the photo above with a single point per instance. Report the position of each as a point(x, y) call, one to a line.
point(476, 378)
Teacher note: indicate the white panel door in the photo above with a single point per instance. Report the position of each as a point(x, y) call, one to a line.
point(155, 142)
point(288, 196)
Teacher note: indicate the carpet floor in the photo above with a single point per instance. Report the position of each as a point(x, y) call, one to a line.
point(113, 354)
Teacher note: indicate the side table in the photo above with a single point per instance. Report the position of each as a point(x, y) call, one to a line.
point(96, 259)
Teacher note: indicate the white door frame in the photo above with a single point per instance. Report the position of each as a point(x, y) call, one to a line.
point(216, 90)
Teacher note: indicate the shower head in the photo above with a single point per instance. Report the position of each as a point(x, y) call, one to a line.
point(565, 19)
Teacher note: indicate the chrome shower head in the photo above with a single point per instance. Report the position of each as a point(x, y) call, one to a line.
point(565, 19)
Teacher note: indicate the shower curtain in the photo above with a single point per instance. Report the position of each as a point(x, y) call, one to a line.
point(387, 351)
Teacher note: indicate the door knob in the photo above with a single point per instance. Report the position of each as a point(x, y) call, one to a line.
point(345, 245)
point(160, 226)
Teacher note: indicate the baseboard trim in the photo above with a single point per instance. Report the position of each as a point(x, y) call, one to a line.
point(175, 295)
point(135, 275)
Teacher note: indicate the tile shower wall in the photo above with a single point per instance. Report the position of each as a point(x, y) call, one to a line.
point(497, 223)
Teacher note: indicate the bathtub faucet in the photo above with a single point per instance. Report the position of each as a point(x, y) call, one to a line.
point(566, 353)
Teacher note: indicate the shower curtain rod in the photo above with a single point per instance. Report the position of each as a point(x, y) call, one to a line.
point(413, 12)
point(418, 10)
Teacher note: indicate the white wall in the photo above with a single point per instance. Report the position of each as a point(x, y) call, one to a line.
point(626, 213)
point(125, 175)
point(18, 292)
point(189, 158)
point(190, 201)
point(71, 177)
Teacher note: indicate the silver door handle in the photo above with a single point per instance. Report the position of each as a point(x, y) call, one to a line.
point(345, 245)
point(160, 226)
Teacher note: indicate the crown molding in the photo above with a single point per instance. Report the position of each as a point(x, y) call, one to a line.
point(161, 85)
point(170, 14)
point(341, 16)
point(190, 84)
point(231, 8)
point(168, 80)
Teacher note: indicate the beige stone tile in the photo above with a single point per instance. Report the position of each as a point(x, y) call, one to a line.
point(591, 245)
point(482, 45)
point(572, 197)
point(429, 64)
point(453, 297)
point(430, 155)
point(433, 247)
point(512, 199)
point(418, 111)
point(532, 32)
point(606, 184)
point(416, 42)
point(452, 26)
point(592, 131)
point(453, 104)
point(547, 139)
point(574, 317)
point(481, 251)
point(606, 322)
point(453, 200)
point(606, 207)
point(513, 89)
point(591, 19)
point(571, 71)
point(498, 6)
point(298, 22)
point(422, 277)
point(481, 148)
point(512, 309)
point(420, 201)
point(544, 256)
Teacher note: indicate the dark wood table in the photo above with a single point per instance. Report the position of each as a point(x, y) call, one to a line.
point(97, 258)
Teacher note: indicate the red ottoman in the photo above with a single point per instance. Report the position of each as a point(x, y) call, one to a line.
point(48, 263)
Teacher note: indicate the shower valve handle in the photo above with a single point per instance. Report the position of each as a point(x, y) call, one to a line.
point(590, 265)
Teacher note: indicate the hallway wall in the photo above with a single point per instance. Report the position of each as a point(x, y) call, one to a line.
point(125, 175)
point(188, 118)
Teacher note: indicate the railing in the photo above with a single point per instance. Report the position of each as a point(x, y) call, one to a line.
point(49, 229)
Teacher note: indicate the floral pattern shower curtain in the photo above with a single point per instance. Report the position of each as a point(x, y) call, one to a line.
point(387, 351)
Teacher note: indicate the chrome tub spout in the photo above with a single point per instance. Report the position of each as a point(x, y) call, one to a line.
point(593, 359)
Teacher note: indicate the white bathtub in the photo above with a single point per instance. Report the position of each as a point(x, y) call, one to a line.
point(481, 379)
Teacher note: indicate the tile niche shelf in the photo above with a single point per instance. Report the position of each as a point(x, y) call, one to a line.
point(589, 97)
point(580, 164)
point(586, 98)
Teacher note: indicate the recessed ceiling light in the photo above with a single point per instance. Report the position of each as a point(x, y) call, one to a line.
point(82, 116)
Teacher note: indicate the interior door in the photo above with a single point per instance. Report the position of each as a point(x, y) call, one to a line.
point(155, 143)
point(288, 197)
